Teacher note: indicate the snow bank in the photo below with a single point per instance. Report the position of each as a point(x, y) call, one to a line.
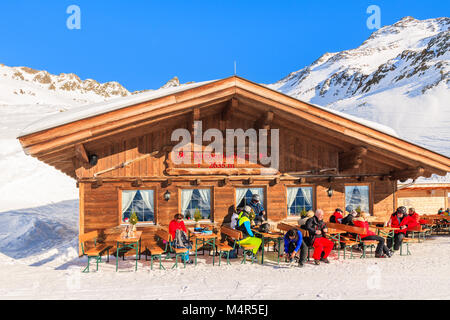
point(31, 233)
point(400, 277)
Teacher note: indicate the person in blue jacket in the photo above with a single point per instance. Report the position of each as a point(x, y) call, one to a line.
point(258, 208)
point(295, 246)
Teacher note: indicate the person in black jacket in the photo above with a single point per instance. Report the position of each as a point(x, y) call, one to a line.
point(348, 220)
point(317, 230)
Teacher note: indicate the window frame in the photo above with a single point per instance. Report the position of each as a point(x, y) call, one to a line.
point(155, 205)
point(369, 185)
point(192, 221)
point(300, 186)
point(314, 197)
point(263, 186)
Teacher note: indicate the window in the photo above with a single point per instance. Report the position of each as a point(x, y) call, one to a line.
point(139, 201)
point(244, 196)
point(357, 198)
point(299, 199)
point(193, 200)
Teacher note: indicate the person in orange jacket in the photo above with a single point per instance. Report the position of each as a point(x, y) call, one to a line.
point(382, 250)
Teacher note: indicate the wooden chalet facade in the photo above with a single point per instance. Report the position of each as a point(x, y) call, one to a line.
point(426, 198)
point(319, 150)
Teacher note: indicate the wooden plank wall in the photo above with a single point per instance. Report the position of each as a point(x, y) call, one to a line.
point(101, 204)
point(424, 201)
point(121, 148)
point(297, 153)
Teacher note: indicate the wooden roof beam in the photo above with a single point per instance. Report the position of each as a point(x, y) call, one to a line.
point(410, 173)
point(81, 154)
point(232, 106)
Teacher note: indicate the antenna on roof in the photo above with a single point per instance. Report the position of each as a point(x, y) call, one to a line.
point(234, 67)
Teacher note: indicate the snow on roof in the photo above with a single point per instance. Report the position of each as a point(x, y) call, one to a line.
point(371, 124)
point(90, 110)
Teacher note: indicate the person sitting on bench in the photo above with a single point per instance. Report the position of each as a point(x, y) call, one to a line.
point(348, 219)
point(294, 245)
point(258, 209)
point(337, 216)
point(414, 219)
point(180, 239)
point(244, 226)
point(399, 219)
point(382, 250)
point(317, 229)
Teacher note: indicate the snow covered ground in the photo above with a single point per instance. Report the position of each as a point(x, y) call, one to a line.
point(423, 275)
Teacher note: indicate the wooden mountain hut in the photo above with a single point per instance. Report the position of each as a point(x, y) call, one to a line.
point(121, 155)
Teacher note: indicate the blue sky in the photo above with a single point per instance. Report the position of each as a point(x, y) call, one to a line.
point(142, 44)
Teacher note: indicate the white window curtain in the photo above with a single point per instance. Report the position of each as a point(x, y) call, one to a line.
point(186, 196)
point(127, 199)
point(205, 194)
point(307, 194)
point(147, 196)
point(291, 194)
point(240, 193)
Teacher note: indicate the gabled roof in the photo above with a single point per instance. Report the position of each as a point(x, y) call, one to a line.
point(91, 110)
point(60, 133)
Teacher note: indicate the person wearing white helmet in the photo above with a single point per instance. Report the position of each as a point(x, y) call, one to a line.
point(258, 208)
point(244, 225)
point(235, 217)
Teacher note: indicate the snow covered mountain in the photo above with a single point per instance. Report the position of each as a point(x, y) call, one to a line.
point(398, 77)
point(23, 85)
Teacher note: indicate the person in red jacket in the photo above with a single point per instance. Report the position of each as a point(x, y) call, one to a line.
point(414, 219)
point(178, 224)
point(337, 216)
point(175, 224)
point(399, 219)
point(382, 250)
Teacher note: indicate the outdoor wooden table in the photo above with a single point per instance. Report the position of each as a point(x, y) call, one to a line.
point(374, 223)
point(205, 239)
point(274, 236)
point(335, 236)
point(131, 243)
point(387, 231)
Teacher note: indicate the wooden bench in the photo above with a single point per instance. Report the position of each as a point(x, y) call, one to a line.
point(224, 247)
point(95, 252)
point(165, 236)
point(420, 231)
point(351, 241)
point(406, 242)
point(235, 236)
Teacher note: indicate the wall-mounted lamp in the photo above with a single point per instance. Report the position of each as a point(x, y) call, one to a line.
point(167, 195)
point(330, 192)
